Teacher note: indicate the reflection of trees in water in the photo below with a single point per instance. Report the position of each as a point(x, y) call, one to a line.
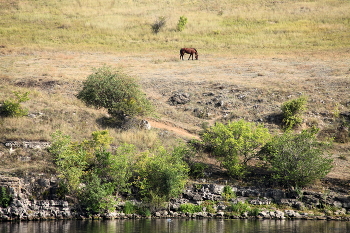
point(178, 225)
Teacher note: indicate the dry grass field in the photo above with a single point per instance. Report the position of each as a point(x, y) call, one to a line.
point(249, 64)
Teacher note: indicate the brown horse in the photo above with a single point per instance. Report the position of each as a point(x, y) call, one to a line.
point(189, 51)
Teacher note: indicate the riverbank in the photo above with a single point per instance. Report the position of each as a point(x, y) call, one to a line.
point(211, 199)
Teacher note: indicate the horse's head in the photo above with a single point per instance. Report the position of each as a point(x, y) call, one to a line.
point(196, 56)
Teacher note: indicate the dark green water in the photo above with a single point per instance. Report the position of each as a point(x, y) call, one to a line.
point(177, 225)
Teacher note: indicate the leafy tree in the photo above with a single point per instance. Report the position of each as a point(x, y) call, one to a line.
point(162, 174)
point(115, 91)
point(117, 168)
point(12, 107)
point(181, 23)
point(5, 197)
point(297, 159)
point(292, 111)
point(97, 196)
point(71, 160)
point(237, 142)
point(93, 175)
point(89, 172)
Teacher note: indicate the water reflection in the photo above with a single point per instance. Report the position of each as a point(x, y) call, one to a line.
point(177, 225)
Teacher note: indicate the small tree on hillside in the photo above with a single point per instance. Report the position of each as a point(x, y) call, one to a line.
point(90, 173)
point(181, 24)
point(292, 111)
point(161, 175)
point(115, 91)
point(12, 107)
point(297, 159)
point(236, 142)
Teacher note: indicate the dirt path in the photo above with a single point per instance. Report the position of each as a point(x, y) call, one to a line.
point(168, 126)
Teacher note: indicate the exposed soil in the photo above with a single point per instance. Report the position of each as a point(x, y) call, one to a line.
point(169, 127)
point(221, 87)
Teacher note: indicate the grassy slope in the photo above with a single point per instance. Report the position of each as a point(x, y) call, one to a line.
point(244, 26)
point(40, 37)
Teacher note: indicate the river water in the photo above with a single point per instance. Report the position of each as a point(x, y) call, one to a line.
point(176, 225)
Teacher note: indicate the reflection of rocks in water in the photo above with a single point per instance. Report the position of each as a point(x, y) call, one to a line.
point(181, 225)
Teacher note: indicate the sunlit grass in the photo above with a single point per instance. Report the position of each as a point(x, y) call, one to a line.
point(224, 25)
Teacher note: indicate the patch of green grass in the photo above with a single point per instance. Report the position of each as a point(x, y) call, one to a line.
point(190, 208)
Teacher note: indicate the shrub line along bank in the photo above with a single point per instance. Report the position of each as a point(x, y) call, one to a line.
point(210, 197)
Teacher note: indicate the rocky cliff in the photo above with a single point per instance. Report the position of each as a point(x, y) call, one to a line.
point(35, 198)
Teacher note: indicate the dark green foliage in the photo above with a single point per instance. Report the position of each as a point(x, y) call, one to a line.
point(129, 208)
point(96, 196)
point(5, 197)
point(297, 159)
point(292, 111)
point(181, 23)
point(254, 211)
point(12, 107)
point(158, 24)
point(197, 169)
point(116, 168)
point(115, 91)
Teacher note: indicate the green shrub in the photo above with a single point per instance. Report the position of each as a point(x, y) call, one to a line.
point(158, 24)
point(71, 160)
point(116, 168)
point(228, 193)
point(181, 23)
point(96, 196)
point(12, 107)
point(115, 91)
point(254, 211)
point(102, 173)
point(144, 211)
point(297, 159)
point(5, 197)
point(209, 206)
point(236, 142)
point(240, 208)
point(292, 111)
point(129, 208)
point(197, 169)
point(162, 173)
point(156, 200)
point(190, 208)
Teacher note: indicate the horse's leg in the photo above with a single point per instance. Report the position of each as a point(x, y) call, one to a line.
point(191, 54)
